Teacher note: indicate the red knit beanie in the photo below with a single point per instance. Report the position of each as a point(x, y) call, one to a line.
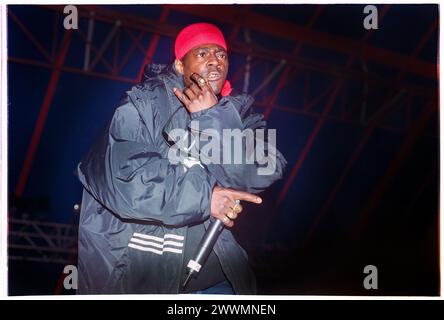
point(196, 34)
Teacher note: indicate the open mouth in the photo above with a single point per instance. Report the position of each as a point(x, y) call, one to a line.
point(214, 76)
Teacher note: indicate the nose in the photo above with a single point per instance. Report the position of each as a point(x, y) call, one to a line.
point(212, 59)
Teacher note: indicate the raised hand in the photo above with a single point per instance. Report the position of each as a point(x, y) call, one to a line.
point(198, 96)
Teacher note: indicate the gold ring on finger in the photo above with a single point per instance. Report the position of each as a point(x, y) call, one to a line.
point(226, 219)
point(236, 205)
point(202, 81)
point(231, 216)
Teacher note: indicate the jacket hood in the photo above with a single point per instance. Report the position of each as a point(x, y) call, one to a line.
point(165, 71)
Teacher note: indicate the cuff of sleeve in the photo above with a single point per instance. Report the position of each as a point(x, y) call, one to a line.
point(205, 205)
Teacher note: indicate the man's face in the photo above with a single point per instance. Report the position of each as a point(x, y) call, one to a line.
point(210, 61)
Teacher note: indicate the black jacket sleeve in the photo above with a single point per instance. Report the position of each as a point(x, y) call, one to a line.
point(125, 172)
point(250, 167)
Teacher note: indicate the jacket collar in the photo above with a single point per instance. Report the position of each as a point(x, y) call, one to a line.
point(172, 79)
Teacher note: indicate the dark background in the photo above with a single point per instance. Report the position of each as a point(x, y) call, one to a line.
point(356, 114)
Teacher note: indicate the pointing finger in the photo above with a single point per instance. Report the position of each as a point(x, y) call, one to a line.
point(245, 196)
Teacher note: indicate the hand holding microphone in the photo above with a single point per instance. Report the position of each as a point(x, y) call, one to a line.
point(225, 207)
point(225, 204)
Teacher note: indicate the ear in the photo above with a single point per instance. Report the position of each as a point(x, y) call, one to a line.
point(179, 66)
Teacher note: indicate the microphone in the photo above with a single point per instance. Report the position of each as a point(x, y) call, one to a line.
point(205, 246)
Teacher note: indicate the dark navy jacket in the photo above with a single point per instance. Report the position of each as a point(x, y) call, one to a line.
point(137, 205)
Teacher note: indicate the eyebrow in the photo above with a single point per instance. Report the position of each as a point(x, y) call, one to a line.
point(220, 49)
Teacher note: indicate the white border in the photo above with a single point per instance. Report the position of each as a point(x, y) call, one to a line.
point(4, 163)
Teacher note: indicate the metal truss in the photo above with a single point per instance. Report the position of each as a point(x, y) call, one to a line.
point(393, 93)
point(137, 29)
point(39, 241)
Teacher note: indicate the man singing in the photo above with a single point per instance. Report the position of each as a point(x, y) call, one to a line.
point(143, 215)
